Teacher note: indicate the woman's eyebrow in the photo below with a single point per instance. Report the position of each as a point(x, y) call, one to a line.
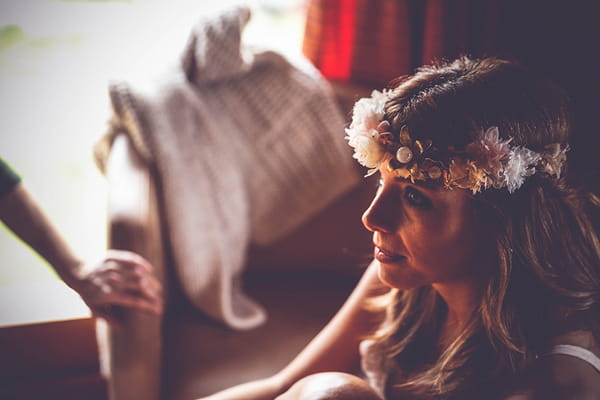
point(427, 185)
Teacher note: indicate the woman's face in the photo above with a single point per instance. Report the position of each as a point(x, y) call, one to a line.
point(423, 233)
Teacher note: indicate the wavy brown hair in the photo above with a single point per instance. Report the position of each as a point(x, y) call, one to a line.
point(546, 280)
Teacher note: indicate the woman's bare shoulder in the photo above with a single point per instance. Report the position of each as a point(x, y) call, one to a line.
point(563, 376)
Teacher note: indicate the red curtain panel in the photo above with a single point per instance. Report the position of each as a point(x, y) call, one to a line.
point(358, 40)
point(374, 41)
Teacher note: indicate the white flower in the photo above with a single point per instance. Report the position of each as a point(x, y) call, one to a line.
point(367, 150)
point(368, 111)
point(521, 164)
point(362, 133)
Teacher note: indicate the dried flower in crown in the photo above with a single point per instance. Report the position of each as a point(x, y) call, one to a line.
point(363, 135)
point(488, 162)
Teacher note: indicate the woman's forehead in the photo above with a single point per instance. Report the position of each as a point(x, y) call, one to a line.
point(432, 188)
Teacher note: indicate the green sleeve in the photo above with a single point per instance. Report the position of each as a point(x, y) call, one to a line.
point(9, 178)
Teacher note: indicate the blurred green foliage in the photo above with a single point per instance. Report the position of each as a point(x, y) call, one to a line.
point(9, 35)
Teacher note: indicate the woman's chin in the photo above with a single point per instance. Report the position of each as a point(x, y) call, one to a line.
point(399, 276)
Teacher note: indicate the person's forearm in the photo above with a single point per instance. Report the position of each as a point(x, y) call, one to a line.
point(25, 217)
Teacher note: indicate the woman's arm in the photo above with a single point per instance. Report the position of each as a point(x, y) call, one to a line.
point(122, 278)
point(335, 348)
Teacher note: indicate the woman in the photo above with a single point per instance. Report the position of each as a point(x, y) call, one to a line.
point(486, 278)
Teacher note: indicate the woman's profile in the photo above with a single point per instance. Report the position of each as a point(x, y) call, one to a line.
point(485, 282)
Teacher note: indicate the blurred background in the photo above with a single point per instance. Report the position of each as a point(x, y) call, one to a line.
point(57, 57)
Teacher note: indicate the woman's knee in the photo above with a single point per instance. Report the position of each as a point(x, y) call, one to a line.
point(330, 386)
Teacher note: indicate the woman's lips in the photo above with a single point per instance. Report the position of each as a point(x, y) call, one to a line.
point(386, 257)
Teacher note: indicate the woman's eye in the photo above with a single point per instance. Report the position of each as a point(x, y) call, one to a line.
point(415, 198)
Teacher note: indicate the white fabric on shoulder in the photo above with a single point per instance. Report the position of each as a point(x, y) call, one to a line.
point(578, 352)
point(372, 365)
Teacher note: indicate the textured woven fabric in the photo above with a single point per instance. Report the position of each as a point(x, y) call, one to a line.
point(248, 145)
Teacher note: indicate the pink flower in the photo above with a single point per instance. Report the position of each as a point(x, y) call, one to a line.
point(490, 152)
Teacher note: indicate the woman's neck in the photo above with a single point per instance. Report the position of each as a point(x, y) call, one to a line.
point(462, 300)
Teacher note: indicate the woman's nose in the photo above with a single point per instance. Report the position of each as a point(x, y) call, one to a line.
point(379, 217)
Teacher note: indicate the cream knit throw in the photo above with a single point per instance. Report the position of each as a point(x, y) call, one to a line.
point(247, 145)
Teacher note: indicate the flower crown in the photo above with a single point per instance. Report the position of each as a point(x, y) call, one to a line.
point(488, 162)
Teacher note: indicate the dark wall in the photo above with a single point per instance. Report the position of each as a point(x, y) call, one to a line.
point(560, 38)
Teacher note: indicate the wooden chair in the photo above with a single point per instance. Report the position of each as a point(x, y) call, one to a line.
point(300, 280)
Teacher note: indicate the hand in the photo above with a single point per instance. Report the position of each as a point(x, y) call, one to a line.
point(123, 279)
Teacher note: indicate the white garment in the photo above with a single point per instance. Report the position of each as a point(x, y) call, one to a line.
point(372, 365)
point(376, 374)
point(578, 352)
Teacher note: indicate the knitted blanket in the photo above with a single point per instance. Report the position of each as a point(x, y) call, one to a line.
point(247, 144)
